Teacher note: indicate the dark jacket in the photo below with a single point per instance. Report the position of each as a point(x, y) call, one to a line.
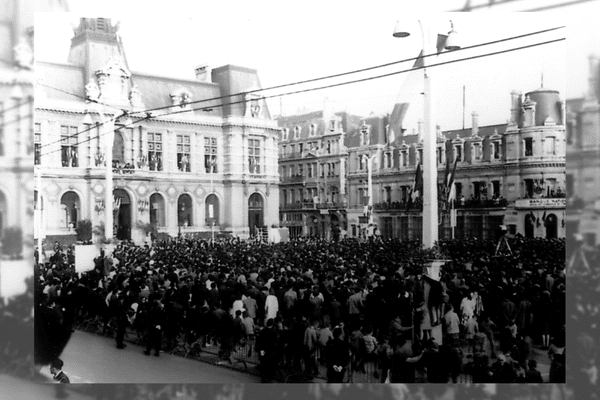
point(266, 343)
point(337, 353)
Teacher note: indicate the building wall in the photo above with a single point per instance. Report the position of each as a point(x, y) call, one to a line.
point(233, 182)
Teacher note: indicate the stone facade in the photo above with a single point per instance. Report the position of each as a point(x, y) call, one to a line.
point(187, 168)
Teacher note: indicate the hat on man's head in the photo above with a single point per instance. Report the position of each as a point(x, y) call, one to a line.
point(269, 322)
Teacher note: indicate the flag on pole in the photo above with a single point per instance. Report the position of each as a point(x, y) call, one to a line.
point(533, 218)
point(404, 119)
point(544, 216)
point(417, 187)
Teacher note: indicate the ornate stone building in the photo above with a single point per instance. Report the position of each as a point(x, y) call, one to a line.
point(583, 153)
point(312, 167)
point(511, 174)
point(191, 168)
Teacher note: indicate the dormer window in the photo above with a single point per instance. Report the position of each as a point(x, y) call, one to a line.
point(286, 133)
point(458, 153)
point(387, 159)
point(496, 150)
point(477, 153)
point(296, 132)
point(404, 158)
point(313, 130)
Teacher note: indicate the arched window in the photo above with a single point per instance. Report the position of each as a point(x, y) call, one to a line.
point(212, 210)
point(157, 210)
point(184, 210)
point(70, 206)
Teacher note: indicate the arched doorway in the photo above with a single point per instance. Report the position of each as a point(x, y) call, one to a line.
point(212, 210)
point(3, 212)
point(551, 224)
point(70, 205)
point(529, 226)
point(157, 210)
point(122, 214)
point(184, 210)
point(255, 211)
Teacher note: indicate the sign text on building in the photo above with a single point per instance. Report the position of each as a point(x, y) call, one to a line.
point(541, 203)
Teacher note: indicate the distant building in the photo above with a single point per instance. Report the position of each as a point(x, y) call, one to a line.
point(583, 153)
point(312, 169)
point(511, 174)
point(190, 169)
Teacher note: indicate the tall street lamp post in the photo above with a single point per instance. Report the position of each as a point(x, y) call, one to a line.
point(430, 45)
point(108, 135)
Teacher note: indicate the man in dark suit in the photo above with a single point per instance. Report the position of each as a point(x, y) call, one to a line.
point(56, 370)
point(156, 324)
point(337, 358)
point(266, 347)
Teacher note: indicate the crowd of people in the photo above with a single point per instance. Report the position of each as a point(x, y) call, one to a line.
point(345, 304)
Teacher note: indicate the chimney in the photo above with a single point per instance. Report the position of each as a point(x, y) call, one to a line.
point(475, 126)
point(515, 107)
point(593, 79)
point(202, 73)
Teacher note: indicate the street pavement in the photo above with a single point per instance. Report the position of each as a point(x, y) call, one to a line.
point(91, 358)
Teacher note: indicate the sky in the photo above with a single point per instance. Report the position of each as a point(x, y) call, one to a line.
point(287, 44)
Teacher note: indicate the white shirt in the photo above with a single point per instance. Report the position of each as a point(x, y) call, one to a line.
point(237, 305)
point(271, 306)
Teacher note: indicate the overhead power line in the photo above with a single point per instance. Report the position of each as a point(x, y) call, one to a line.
point(148, 116)
point(298, 82)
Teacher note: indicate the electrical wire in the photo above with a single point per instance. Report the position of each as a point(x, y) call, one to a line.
point(342, 83)
point(5, 110)
point(554, 6)
point(304, 81)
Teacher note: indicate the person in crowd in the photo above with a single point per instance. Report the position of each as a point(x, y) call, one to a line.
point(58, 374)
point(556, 353)
point(533, 375)
point(452, 326)
point(310, 349)
point(354, 283)
point(471, 329)
point(156, 325)
point(337, 357)
point(266, 347)
point(271, 305)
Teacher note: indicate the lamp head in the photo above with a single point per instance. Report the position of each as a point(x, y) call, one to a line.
point(400, 32)
point(452, 40)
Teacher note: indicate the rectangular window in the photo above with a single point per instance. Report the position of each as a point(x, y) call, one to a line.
point(496, 187)
point(404, 157)
point(300, 148)
point(254, 156)
point(528, 147)
point(183, 153)
point(477, 151)
point(300, 170)
point(210, 155)
point(529, 187)
point(388, 160)
point(37, 143)
point(496, 150)
point(284, 171)
point(440, 155)
point(68, 142)
point(458, 153)
point(550, 145)
point(155, 151)
point(388, 194)
point(310, 170)
point(420, 152)
point(361, 163)
point(404, 193)
point(458, 188)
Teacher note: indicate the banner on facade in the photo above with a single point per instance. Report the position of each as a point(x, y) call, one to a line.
point(541, 203)
point(211, 212)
